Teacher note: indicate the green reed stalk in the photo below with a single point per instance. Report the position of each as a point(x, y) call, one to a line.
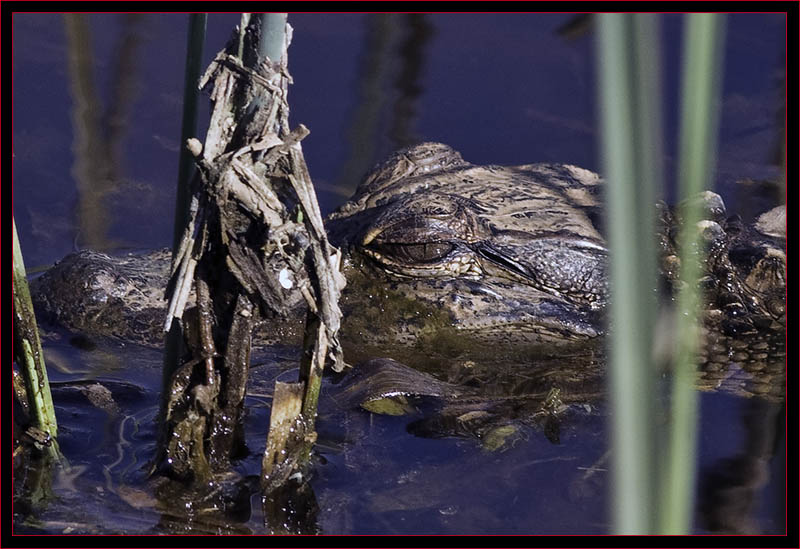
point(699, 124)
point(194, 60)
point(273, 36)
point(28, 350)
point(629, 90)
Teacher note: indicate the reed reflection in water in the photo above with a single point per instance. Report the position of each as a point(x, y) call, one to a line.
point(99, 132)
point(389, 89)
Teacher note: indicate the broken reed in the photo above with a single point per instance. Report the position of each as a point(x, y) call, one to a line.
point(28, 352)
point(236, 224)
point(629, 87)
point(273, 35)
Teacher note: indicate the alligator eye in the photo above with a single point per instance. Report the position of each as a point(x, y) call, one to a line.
point(423, 252)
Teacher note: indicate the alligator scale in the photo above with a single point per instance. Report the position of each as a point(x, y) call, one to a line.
point(440, 250)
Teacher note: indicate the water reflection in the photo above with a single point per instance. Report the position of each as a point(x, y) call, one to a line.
point(362, 134)
point(412, 54)
point(98, 132)
point(380, 62)
point(577, 26)
point(387, 108)
point(731, 487)
point(291, 509)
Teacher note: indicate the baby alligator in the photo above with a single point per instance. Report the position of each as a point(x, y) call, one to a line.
point(446, 257)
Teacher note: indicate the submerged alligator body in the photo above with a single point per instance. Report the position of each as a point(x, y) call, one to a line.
point(438, 251)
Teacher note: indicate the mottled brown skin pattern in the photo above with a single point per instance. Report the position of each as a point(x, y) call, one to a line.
point(443, 254)
point(511, 253)
point(120, 296)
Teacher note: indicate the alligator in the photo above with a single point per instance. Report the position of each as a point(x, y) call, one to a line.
point(447, 258)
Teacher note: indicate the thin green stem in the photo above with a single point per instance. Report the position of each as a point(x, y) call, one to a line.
point(699, 125)
point(194, 59)
point(624, 49)
point(273, 36)
point(28, 349)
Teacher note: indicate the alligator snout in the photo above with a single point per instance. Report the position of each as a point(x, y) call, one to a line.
point(574, 270)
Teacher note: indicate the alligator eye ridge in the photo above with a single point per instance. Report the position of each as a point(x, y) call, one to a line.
point(421, 252)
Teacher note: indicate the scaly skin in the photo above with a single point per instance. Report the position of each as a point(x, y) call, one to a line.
point(442, 253)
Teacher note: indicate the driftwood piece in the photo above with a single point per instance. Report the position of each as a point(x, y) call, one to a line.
point(254, 239)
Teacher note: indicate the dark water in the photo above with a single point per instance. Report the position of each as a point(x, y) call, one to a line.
point(97, 107)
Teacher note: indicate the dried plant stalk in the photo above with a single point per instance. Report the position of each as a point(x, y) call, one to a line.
point(250, 190)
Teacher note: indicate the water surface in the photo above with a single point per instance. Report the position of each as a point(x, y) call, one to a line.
point(97, 107)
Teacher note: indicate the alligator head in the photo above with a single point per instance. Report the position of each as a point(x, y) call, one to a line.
point(497, 254)
point(441, 252)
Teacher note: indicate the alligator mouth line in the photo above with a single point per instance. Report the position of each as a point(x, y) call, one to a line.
point(529, 327)
point(503, 261)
